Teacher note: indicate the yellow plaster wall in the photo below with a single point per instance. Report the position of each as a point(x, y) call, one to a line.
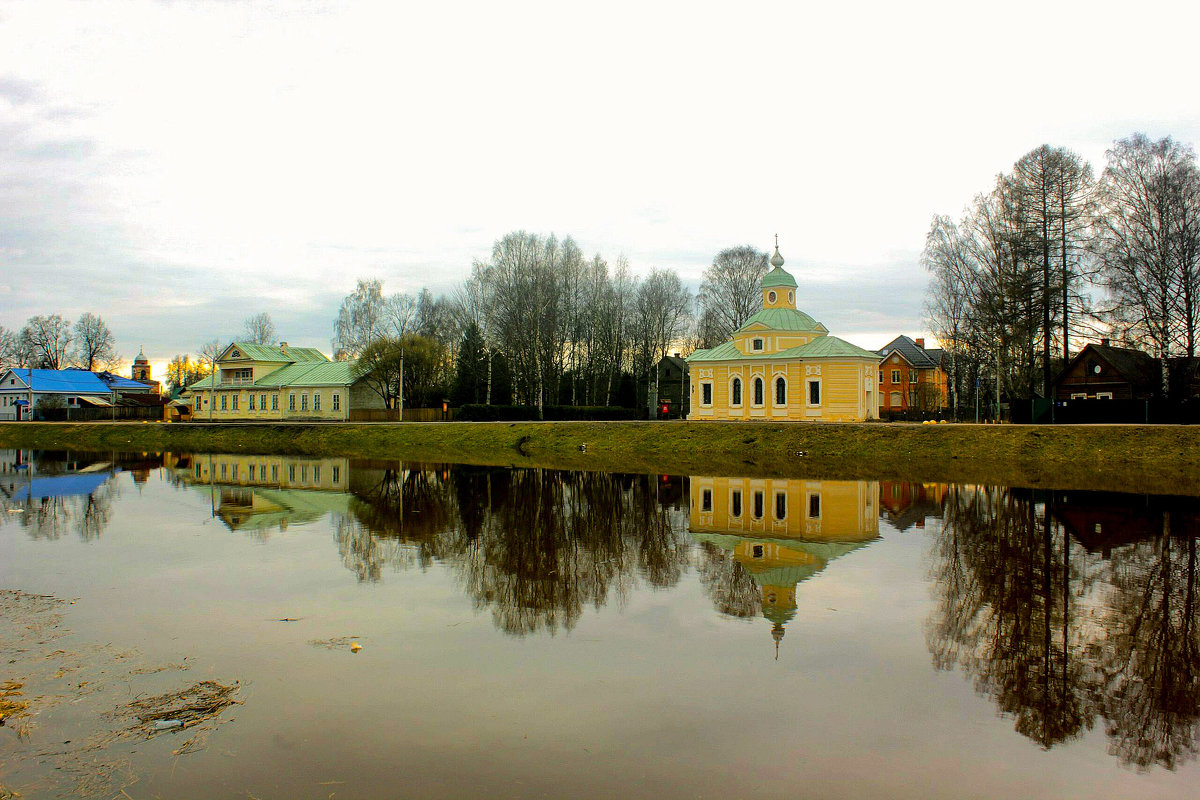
point(244, 413)
point(849, 510)
point(844, 387)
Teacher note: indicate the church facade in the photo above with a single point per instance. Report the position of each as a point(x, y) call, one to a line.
point(783, 366)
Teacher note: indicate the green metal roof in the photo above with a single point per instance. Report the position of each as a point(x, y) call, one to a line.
point(783, 319)
point(262, 352)
point(821, 347)
point(329, 373)
point(778, 277)
point(306, 373)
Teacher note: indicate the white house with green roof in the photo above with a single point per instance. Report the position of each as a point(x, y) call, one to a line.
point(783, 366)
point(265, 383)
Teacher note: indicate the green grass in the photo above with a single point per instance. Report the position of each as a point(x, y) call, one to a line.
point(1147, 459)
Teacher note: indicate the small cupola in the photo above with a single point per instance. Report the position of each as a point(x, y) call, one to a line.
point(778, 285)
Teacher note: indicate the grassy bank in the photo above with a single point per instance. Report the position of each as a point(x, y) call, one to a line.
point(1153, 459)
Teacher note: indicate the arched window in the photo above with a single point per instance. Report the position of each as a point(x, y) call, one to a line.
point(758, 391)
point(770, 297)
point(735, 392)
point(780, 391)
point(791, 297)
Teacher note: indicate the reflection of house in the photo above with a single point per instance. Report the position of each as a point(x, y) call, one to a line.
point(783, 531)
point(911, 377)
point(906, 504)
point(782, 365)
point(1101, 521)
point(260, 382)
point(21, 479)
point(252, 492)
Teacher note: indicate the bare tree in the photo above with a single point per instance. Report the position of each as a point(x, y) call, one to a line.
point(731, 290)
point(361, 319)
point(1147, 243)
point(662, 314)
point(947, 303)
point(49, 340)
point(94, 343)
point(14, 349)
point(259, 329)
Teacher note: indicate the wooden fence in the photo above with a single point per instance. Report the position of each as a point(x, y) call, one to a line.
point(393, 415)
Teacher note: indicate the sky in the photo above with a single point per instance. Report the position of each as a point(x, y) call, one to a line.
point(177, 167)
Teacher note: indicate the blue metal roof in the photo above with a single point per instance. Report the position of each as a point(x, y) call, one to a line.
point(62, 486)
point(67, 381)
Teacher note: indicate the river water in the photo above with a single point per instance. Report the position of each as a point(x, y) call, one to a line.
point(534, 633)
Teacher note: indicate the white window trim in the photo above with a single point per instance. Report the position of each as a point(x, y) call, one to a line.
point(756, 380)
point(774, 380)
point(1104, 395)
point(711, 393)
point(1079, 395)
point(772, 297)
point(758, 344)
point(808, 393)
point(808, 496)
point(742, 391)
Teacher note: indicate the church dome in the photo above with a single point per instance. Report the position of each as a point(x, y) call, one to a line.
point(778, 276)
point(141, 358)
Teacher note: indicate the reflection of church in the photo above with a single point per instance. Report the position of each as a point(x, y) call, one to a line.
point(783, 531)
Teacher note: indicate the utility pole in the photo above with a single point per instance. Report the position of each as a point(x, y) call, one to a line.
point(401, 386)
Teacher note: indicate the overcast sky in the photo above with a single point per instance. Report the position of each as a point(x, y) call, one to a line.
point(177, 167)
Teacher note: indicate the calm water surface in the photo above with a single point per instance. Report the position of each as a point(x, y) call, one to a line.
point(531, 633)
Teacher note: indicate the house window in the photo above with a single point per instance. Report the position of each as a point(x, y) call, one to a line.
point(756, 344)
point(791, 297)
point(274, 402)
point(250, 405)
point(224, 471)
point(275, 472)
point(292, 473)
point(304, 473)
point(895, 376)
point(262, 402)
point(912, 376)
point(316, 473)
point(304, 402)
point(706, 394)
point(235, 402)
point(735, 503)
point(223, 401)
point(780, 505)
point(337, 471)
point(814, 506)
point(771, 297)
point(757, 551)
point(235, 472)
point(250, 471)
point(895, 401)
point(316, 401)
point(337, 402)
point(291, 402)
point(780, 391)
point(1104, 396)
point(735, 392)
point(814, 393)
point(1079, 395)
point(881, 376)
point(758, 391)
point(758, 505)
point(706, 500)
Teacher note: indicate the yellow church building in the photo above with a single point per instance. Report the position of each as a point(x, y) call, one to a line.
point(782, 366)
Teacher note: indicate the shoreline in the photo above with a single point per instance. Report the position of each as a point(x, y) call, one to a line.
point(1147, 459)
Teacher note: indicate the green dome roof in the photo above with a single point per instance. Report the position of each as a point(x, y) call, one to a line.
point(778, 277)
point(784, 319)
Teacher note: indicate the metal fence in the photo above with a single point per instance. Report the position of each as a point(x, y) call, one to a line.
point(1097, 412)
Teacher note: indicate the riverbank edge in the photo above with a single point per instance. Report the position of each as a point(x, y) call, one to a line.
point(1156, 459)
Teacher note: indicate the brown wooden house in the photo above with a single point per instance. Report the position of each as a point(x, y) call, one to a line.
point(1103, 372)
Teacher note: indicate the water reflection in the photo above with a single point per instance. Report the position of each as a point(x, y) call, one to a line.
point(54, 493)
point(759, 538)
point(1069, 609)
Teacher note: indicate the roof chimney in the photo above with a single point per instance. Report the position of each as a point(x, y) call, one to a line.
point(1104, 342)
point(283, 346)
point(920, 343)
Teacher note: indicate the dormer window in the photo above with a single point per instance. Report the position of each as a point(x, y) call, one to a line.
point(756, 344)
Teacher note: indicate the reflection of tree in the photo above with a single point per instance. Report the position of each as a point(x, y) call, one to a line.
point(536, 547)
point(1151, 669)
point(1058, 636)
point(728, 583)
